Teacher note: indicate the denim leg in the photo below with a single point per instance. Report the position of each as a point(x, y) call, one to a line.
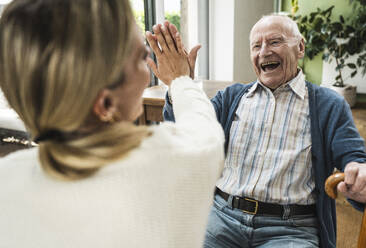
point(231, 228)
point(224, 228)
point(296, 232)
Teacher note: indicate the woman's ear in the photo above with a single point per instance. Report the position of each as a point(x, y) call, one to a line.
point(104, 107)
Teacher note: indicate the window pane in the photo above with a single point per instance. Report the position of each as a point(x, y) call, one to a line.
point(2, 4)
point(172, 12)
point(138, 12)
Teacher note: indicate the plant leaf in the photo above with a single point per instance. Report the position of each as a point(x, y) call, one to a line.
point(351, 65)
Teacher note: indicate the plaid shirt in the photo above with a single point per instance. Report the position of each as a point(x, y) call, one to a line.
point(269, 150)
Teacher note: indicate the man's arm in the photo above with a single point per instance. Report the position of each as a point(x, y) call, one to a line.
point(349, 150)
point(168, 113)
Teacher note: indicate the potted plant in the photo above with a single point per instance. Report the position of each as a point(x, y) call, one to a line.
point(338, 40)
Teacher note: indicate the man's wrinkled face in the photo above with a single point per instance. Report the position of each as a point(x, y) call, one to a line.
point(275, 51)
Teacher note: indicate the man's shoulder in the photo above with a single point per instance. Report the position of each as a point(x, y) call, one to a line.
point(324, 94)
point(237, 87)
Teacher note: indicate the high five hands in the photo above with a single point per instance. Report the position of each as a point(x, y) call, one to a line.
point(172, 59)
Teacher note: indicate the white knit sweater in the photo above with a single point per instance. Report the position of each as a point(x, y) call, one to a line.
point(159, 196)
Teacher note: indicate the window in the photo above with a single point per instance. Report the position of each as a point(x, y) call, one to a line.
point(138, 12)
point(150, 12)
point(172, 12)
point(3, 3)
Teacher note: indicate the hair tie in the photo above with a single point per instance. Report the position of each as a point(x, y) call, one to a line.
point(51, 134)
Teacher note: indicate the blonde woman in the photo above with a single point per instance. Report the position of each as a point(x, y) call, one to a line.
point(75, 71)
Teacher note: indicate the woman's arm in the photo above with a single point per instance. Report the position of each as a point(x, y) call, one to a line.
point(192, 109)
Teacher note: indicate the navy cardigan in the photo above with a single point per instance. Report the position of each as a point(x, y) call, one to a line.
point(335, 142)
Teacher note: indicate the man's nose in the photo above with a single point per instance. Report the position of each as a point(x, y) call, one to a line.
point(265, 50)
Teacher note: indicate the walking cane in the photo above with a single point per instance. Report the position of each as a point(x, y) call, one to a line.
point(331, 189)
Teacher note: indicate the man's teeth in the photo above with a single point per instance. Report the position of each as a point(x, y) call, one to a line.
point(270, 63)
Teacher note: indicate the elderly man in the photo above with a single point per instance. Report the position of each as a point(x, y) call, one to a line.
point(284, 137)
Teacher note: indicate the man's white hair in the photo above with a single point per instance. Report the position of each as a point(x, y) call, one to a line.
point(291, 24)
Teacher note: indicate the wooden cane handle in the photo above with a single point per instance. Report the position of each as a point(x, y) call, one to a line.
point(331, 189)
point(331, 184)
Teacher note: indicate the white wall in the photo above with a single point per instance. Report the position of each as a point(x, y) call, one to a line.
point(221, 39)
point(230, 24)
point(247, 13)
point(329, 74)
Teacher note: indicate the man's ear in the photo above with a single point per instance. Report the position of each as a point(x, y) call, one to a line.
point(301, 47)
point(104, 106)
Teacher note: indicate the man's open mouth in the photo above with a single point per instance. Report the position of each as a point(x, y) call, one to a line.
point(270, 65)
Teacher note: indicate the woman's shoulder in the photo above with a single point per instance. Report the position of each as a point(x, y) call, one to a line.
point(169, 145)
point(167, 155)
point(19, 166)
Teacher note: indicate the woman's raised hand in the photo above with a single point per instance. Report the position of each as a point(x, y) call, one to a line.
point(172, 59)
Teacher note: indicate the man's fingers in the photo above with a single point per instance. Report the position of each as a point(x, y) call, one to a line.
point(342, 187)
point(359, 185)
point(350, 173)
point(153, 43)
point(360, 182)
point(152, 66)
point(356, 189)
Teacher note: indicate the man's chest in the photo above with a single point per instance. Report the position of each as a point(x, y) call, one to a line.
point(274, 122)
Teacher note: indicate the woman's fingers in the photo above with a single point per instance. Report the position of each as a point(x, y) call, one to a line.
point(161, 39)
point(153, 43)
point(170, 63)
point(168, 36)
point(177, 38)
point(153, 66)
point(180, 46)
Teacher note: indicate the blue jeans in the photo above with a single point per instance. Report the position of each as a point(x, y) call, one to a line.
point(230, 227)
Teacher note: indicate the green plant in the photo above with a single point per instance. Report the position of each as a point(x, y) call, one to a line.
point(337, 40)
point(358, 41)
point(314, 28)
point(173, 17)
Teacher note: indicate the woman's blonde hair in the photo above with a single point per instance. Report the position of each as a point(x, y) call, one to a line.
point(55, 57)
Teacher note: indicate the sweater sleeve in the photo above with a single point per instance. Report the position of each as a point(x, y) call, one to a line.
point(194, 113)
point(347, 144)
point(168, 113)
